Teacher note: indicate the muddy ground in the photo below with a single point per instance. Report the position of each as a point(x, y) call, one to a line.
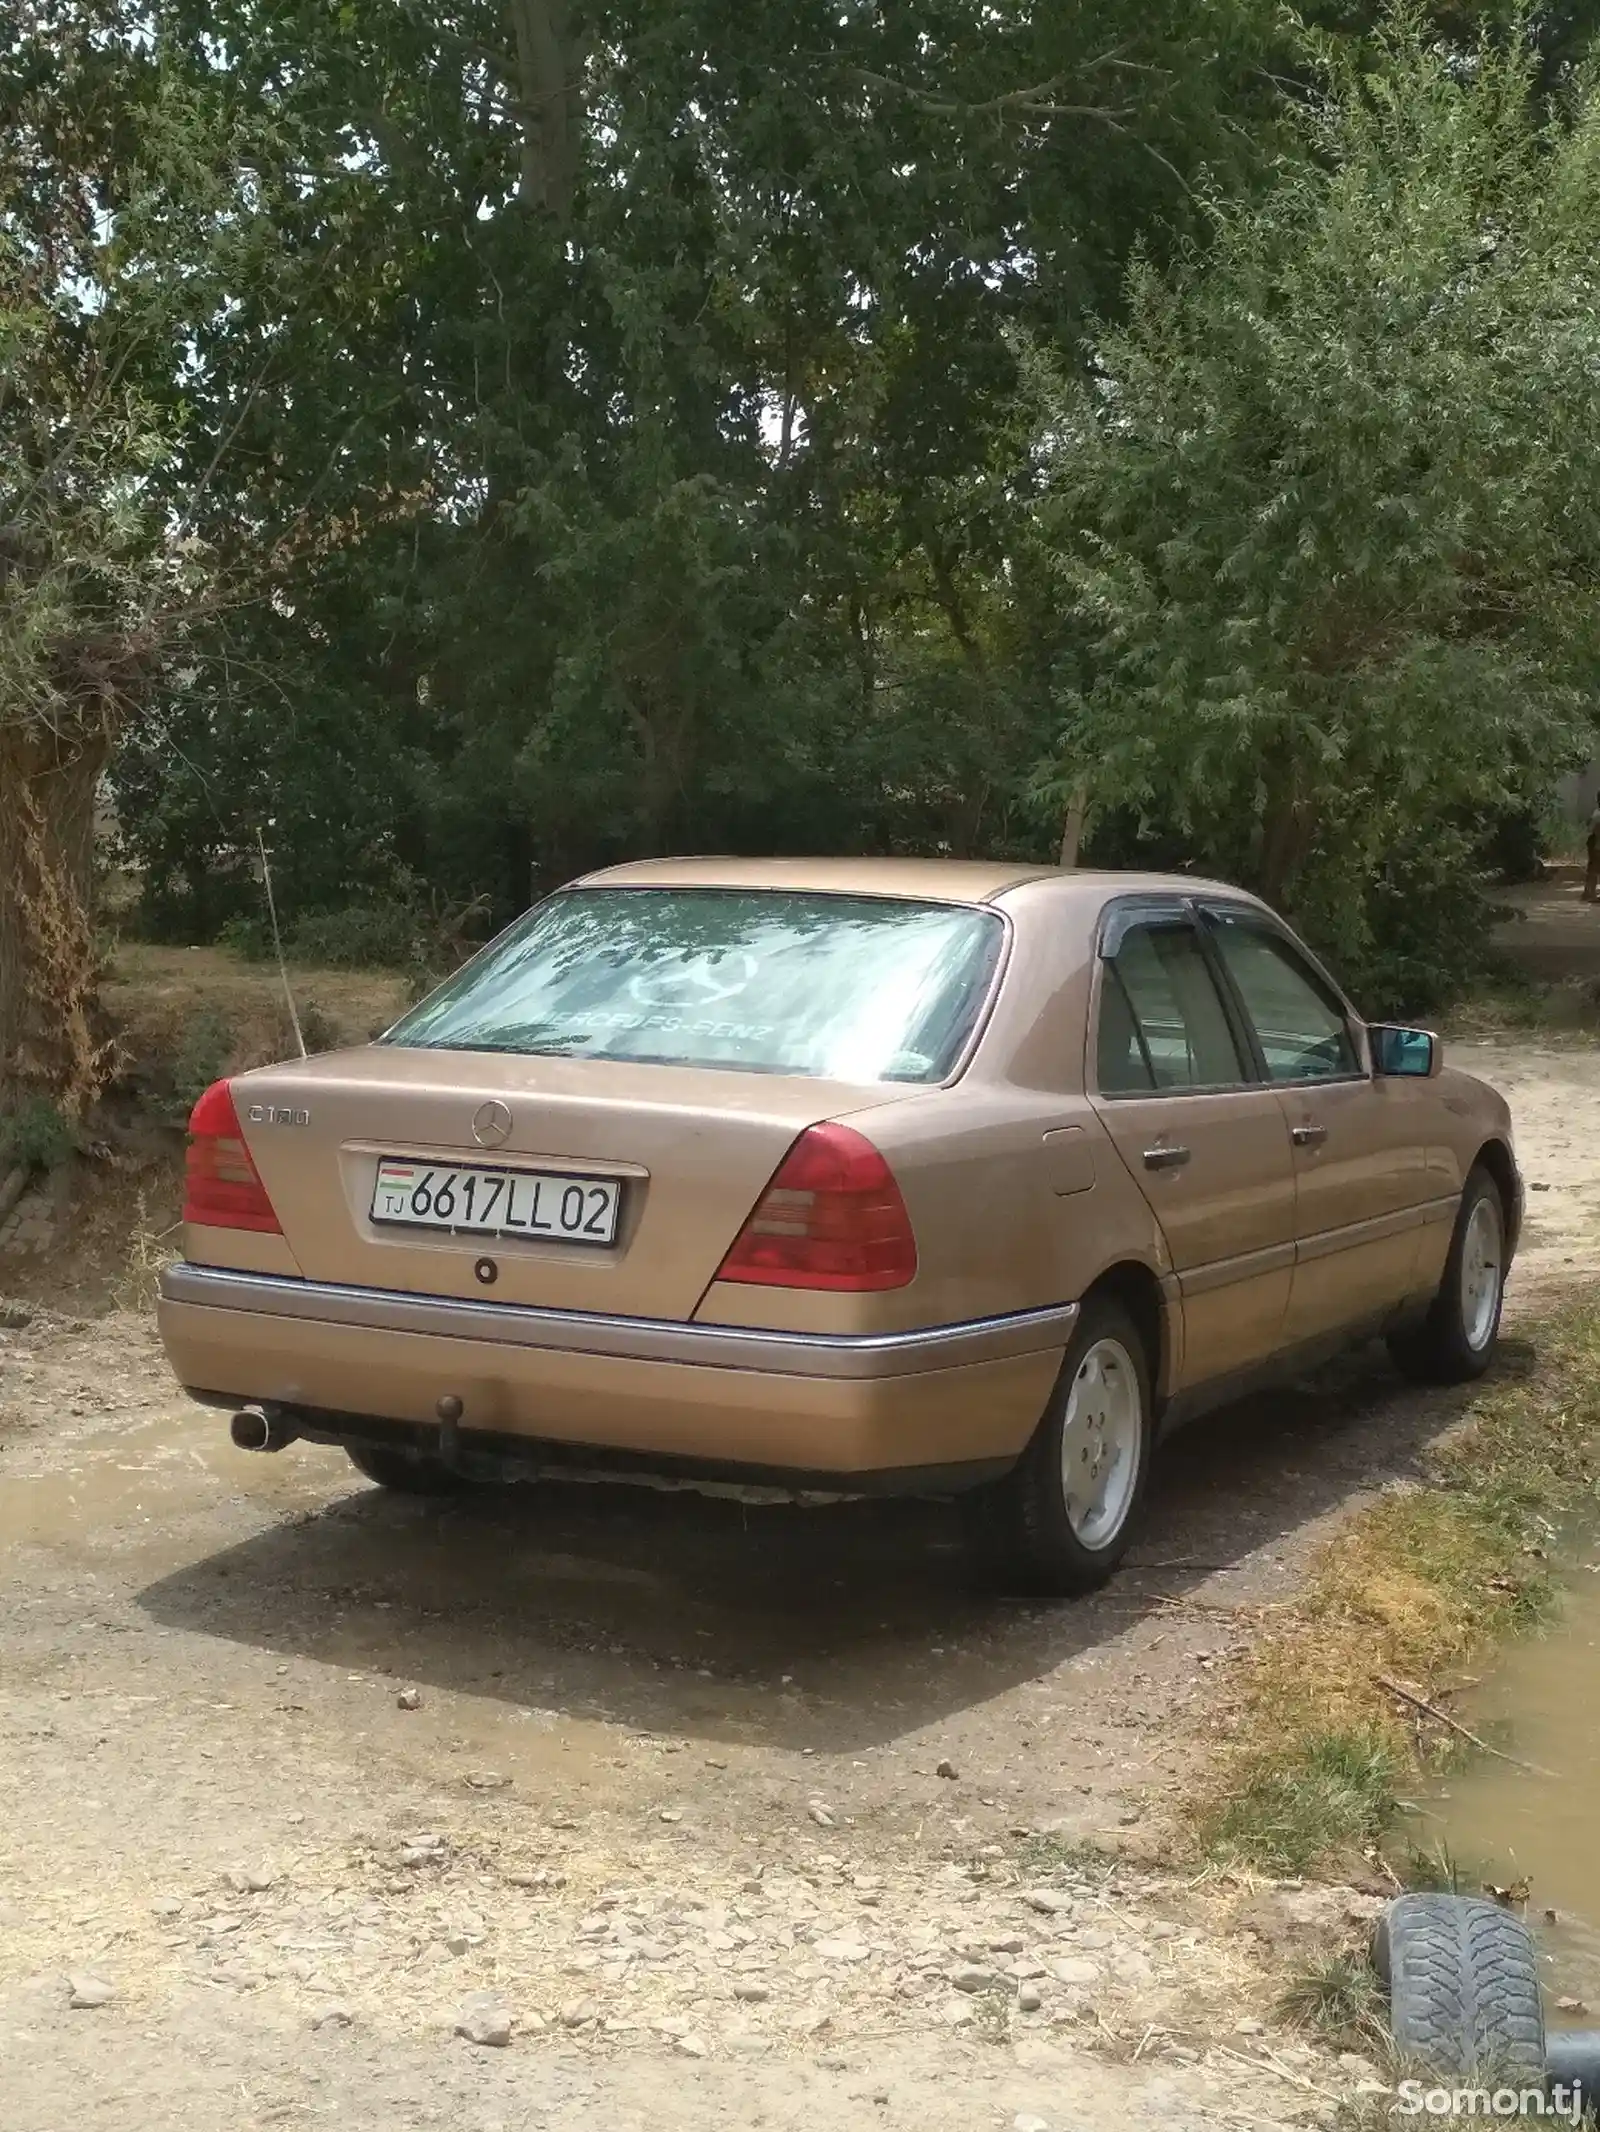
point(746, 1815)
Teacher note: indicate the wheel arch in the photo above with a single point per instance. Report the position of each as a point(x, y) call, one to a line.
point(1138, 1289)
point(1496, 1157)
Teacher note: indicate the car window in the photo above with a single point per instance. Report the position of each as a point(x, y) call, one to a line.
point(846, 988)
point(1162, 1021)
point(1301, 1028)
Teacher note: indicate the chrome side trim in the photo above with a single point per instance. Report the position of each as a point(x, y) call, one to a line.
point(790, 1354)
point(1255, 1265)
point(1446, 1209)
point(1354, 1235)
point(1249, 1266)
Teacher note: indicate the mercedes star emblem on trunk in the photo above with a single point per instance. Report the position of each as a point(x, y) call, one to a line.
point(491, 1124)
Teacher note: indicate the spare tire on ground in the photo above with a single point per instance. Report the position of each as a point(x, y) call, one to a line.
point(1463, 1984)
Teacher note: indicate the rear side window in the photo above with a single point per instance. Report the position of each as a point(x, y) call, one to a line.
point(1162, 1021)
point(847, 988)
point(1300, 1026)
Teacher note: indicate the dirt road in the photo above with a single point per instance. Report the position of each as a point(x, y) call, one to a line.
point(744, 1814)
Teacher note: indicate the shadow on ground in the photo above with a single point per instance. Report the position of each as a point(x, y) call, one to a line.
point(678, 1612)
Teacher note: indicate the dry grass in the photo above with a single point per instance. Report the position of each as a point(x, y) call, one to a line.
point(1557, 1011)
point(186, 1015)
point(111, 1229)
point(1413, 1586)
point(1041, 1854)
point(180, 1019)
point(1337, 1998)
point(154, 1243)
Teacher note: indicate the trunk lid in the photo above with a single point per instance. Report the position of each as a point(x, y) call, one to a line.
point(692, 1149)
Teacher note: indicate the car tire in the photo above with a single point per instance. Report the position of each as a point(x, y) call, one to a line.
point(1456, 1341)
point(1033, 1532)
point(407, 1472)
point(1463, 1983)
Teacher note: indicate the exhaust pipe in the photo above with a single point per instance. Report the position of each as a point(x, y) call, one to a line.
point(259, 1428)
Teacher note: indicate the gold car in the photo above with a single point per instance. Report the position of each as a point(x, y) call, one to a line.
point(856, 1175)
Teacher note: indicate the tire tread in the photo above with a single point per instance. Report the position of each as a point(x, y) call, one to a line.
point(1463, 1987)
point(1436, 1350)
point(1016, 1526)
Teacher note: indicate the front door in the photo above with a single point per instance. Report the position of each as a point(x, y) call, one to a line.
point(1209, 1150)
point(1359, 1163)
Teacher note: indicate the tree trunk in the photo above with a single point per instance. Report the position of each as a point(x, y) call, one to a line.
point(966, 820)
point(1073, 827)
point(47, 795)
point(1287, 829)
point(550, 105)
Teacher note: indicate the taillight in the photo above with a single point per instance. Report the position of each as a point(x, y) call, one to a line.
point(222, 1187)
point(832, 1217)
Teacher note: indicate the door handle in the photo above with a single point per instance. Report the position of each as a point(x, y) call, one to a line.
point(1308, 1135)
point(1165, 1158)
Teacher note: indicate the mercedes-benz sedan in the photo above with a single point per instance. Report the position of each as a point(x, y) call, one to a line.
point(851, 1175)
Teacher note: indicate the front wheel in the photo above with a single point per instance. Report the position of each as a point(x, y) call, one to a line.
point(1457, 1339)
point(1060, 1521)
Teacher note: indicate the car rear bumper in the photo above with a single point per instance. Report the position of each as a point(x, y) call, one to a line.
point(870, 1409)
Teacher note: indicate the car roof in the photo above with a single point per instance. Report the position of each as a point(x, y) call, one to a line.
point(942, 880)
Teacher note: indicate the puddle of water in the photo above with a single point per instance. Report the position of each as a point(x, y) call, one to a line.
point(1543, 1704)
point(130, 1487)
point(138, 1492)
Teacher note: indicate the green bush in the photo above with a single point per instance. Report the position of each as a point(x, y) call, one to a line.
point(317, 1027)
point(36, 1137)
point(201, 1058)
point(401, 934)
point(361, 936)
point(248, 936)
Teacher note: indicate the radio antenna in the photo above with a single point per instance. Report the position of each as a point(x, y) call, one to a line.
point(277, 941)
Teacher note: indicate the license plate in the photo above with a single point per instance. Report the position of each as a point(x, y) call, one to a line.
point(474, 1202)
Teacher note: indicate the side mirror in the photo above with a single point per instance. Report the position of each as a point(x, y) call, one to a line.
point(1413, 1053)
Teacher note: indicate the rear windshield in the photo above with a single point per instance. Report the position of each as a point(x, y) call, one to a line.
point(846, 988)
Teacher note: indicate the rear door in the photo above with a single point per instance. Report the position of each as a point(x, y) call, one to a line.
point(1206, 1144)
point(1359, 1163)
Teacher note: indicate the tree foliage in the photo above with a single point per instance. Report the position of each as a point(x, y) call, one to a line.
point(1328, 507)
point(138, 206)
point(92, 589)
point(668, 504)
point(507, 436)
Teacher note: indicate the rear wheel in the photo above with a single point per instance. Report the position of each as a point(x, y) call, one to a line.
point(1060, 1521)
point(1456, 1340)
point(408, 1472)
